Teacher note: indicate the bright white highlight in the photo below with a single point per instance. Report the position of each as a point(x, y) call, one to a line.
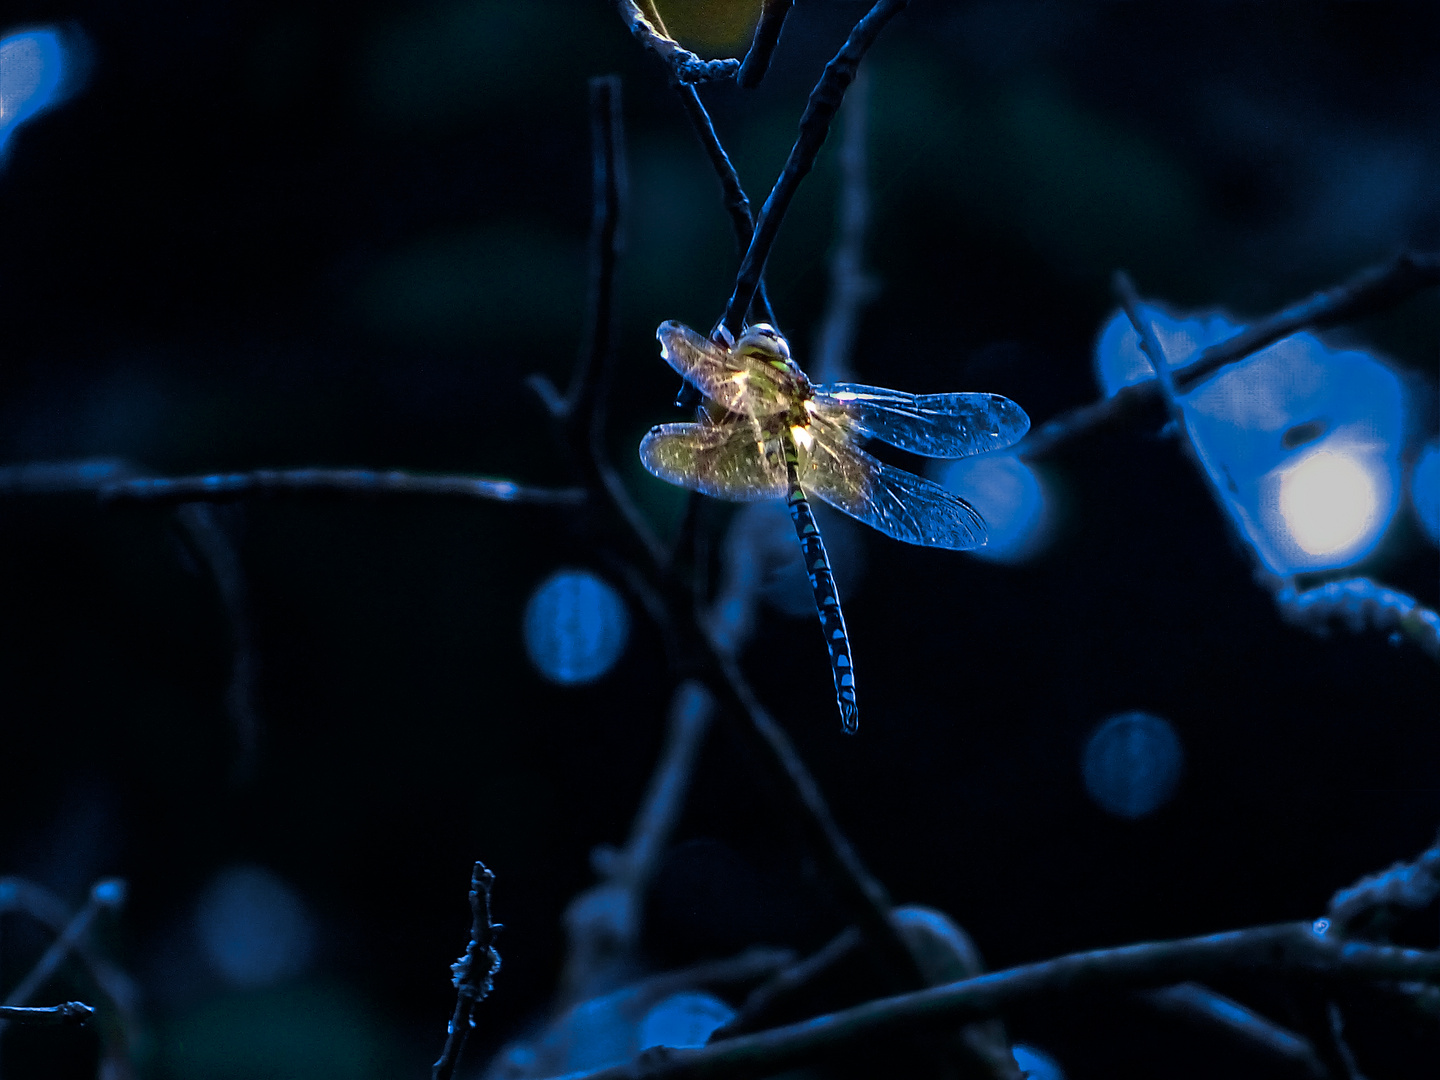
point(1329, 502)
point(803, 438)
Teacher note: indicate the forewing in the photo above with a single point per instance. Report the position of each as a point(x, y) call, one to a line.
point(933, 425)
point(726, 461)
point(714, 370)
point(898, 503)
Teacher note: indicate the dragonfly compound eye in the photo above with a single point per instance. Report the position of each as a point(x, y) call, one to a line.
point(762, 342)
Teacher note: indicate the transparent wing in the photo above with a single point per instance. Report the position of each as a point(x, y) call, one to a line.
point(719, 373)
point(933, 425)
point(898, 503)
point(727, 461)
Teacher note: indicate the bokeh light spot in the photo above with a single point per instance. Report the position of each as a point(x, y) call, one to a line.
point(1425, 491)
point(576, 627)
point(1132, 764)
point(1009, 497)
point(1329, 502)
point(253, 928)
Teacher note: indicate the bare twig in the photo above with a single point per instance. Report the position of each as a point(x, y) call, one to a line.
point(1129, 405)
point(1408, 885)
point(737, 203)
point(1129, 299)
point(861, 894)
point(474, 972)
point(687, 67)
point(60, 477)
point(1199, 1004)
point(1373, 290)
point(1344, 1058)
point(772, 997)
point(116, 990)
point(72, 1012)
point(1366, 293)
point(1290, 948)
point(762, 46)
point(850, 287)
point(603, 922)
point(1360, 604)
point(106, 894)
point(343, 483)
point(215, 546)
point(824, 101)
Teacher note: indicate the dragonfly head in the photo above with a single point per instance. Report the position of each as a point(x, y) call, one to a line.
point(763, 342)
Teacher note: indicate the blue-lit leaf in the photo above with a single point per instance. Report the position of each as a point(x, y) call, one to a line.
point(1300, 440)
point(1036, 1064)
point(32, 64)
point(576, 627)
point(684, 1019)
point(1425, 491)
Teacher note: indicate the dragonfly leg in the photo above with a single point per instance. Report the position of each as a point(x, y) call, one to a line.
point(822, 583)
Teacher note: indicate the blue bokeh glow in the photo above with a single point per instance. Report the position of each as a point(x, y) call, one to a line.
point(32, 65)
point(1131, 764)
point(1036, 1064)
point(576, 627)
point(684, 1019)
point(253, 928)
point(1300, 440)
point(1425, 491)
point(1009, 497)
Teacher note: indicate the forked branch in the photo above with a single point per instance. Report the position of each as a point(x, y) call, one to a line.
point(820, 110)
point(1292, 949)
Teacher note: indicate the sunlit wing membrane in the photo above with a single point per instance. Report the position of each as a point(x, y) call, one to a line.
point(898, 503)
point(739, 383)
point(724, 461)
point(933, 425)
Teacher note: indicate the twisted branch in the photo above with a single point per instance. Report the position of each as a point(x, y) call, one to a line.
point(824, 102)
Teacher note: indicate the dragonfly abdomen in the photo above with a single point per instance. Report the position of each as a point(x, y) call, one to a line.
point(822, 584)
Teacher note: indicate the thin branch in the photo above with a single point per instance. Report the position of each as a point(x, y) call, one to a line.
point(583, 420)
point(70, 1013)
point(1360, 604)
point(770, 998)
point(603, 922)
point(116, 990)
point(851, 288)
point(1124, 290)
point(862, 895)
point(824, 101)
point(61, 477)
point(474, 972)
point(1291, 948)
point(762, 46)
point(215, 546)
point(737, 203)
point(107, 894)
point(1128, 406)
point(343, 483)
point(684, 64)
point(1366, 293)
point(1409, 885)
point(1201, 1005)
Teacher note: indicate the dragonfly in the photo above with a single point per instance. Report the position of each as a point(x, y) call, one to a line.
point(765, 432)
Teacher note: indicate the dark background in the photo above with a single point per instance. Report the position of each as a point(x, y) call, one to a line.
point(270, 235)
